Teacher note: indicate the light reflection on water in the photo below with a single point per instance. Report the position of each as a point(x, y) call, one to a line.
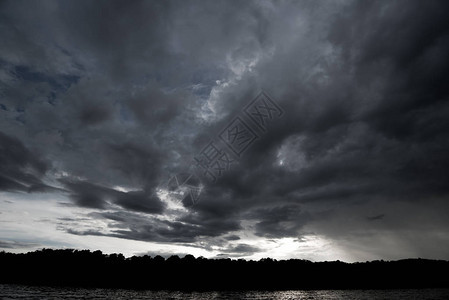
point(29, 292)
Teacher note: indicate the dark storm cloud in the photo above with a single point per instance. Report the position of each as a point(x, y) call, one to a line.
point(279, 221)
point(91, 195)
point(94, 115)
point(21, 169)
point(87, 194)
point(371, 126)
point(128, 225)
point(123, 95)
point(232, 238)
point(375, 218)
point(153, 107)
point(140, 201)
point(139, 163)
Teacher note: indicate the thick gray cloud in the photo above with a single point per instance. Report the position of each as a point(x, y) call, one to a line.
point(105, 101)
point(87, 194)
point(21, 169)
point(133, 226)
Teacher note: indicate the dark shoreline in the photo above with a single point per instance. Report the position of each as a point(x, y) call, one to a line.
point(82, 268)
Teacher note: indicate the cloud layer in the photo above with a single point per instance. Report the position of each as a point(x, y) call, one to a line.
point(102, 102)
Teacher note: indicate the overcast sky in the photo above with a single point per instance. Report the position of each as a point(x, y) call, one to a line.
point(103, 102)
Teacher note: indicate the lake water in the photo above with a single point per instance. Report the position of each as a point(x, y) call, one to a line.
point(28, 292)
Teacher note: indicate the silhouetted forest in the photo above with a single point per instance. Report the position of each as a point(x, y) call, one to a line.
point(94, 269)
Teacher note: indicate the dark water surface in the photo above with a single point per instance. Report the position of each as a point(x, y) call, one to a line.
point(30, 292)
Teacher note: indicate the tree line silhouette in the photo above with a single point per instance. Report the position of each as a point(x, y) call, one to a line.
point(83, 268)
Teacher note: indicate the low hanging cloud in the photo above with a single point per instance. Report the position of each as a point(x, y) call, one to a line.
point(22, 170)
